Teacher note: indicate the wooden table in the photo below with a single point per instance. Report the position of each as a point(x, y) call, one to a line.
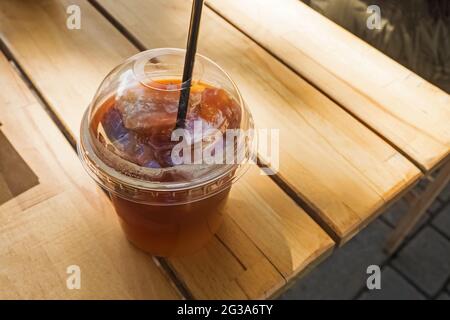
point(338, 170)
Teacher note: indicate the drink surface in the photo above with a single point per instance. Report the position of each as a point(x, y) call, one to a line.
point(137, 124)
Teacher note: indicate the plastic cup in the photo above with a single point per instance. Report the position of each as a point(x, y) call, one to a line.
point(166, 208)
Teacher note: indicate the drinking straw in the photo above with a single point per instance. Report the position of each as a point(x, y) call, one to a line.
point(189, 61)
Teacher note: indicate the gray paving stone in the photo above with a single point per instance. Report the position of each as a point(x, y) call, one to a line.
point(393, 287)
point(342, 275)
point(425, 260)
point(436, 206)
point(445, 194)
point(444, 296)
point(442, 220)
point(393, 214)
point(397, 210)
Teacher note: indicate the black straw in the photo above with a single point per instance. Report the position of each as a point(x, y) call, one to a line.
point(196, 14)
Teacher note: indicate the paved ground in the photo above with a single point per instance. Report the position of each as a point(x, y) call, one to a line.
point(419, 270)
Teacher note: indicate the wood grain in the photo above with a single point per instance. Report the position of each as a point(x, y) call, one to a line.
point(64, 220)
point(336, 165)
point(266, 238)
point(411, 113)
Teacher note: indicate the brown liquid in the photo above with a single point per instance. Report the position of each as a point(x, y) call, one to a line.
point(171, 230)
point(140, 132)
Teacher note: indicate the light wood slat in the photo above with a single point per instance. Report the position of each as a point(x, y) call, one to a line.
point(402, 107)
point(335, 164)
point(63, 220)
point(266, 239)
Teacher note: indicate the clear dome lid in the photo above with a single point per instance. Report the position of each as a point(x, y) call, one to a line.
point(130, 143)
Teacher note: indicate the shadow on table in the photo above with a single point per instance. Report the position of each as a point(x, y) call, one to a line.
point(16, 176)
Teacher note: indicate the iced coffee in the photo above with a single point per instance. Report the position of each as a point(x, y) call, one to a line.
point(168, 198)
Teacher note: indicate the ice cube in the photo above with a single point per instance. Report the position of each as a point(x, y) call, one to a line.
point(113, 125)
point(144, 111)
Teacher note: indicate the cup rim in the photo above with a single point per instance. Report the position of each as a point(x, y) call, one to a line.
point(143, 57)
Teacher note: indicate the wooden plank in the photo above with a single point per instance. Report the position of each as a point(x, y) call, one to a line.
point(266, 238)
point(411, 113)
point(336, 165)
point(63, 219)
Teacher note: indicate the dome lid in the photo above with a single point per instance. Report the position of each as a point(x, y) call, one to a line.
point(129, 137)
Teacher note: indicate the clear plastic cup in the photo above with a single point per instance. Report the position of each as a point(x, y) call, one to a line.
point(166, 207)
